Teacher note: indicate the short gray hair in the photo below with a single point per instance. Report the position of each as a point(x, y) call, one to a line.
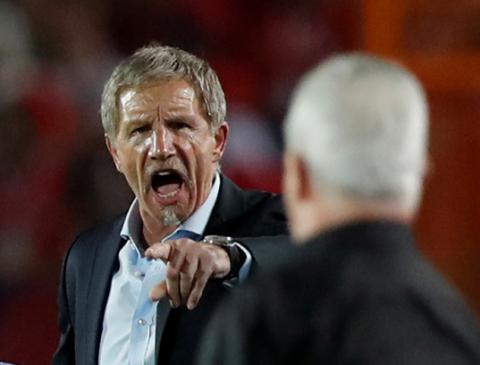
point(361, 124)
point(155, 63)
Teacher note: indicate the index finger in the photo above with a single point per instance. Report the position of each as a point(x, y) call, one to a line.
point(159, 251)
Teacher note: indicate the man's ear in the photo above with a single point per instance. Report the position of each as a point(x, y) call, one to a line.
point(306, 188)
point(297, 178)
point(113, 152)
point(220, 136)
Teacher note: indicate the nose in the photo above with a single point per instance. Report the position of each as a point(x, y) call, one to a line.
point(162, 144)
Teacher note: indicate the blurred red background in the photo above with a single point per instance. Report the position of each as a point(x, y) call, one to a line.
point(56, 177)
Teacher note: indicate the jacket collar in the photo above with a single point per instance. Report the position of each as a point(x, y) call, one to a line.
point(231, 203)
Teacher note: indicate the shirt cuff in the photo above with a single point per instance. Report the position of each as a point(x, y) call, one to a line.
point(245, 268)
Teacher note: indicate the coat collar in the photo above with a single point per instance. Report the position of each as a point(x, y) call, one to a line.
point(231, 203)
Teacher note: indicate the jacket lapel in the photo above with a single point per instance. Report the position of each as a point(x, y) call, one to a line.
point(163, 311)
point(104, 263)
point(231, 203)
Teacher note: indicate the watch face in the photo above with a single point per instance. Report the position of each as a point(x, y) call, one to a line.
point(218, 240)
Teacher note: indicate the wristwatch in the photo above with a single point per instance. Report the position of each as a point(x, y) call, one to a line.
point(219, 240)
point(235, 254)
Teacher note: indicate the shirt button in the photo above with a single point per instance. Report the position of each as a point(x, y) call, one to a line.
point(138, 274)
point(142, 322)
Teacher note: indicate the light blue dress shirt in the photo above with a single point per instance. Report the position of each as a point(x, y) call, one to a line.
point(129, 322)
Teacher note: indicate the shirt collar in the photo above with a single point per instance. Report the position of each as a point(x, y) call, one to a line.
point(132, 227)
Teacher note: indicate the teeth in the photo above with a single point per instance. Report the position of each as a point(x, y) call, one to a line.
point(170, 195)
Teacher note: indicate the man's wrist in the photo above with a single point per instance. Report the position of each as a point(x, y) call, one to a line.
point(235, 254)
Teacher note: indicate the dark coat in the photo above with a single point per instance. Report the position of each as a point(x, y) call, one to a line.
point(358, 294)
point(256, 219)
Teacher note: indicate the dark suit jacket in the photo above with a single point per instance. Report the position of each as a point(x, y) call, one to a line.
point(360, 294)
point(255, 218)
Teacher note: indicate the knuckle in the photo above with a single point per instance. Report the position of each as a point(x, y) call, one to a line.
point(187, 276)
point(183, 246)
point(194, 251)
point(203, 273)
point(177, 244)
point(200, 272)
point(172, 273)
point(184, 241)
point(191, 256)
point(206, 255)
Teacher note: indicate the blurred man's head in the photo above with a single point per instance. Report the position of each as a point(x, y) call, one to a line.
point(163, 112)
point(356, 136)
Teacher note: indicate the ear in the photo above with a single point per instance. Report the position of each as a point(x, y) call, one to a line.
point(220, 136)
point(297, 181)
point(113, 152)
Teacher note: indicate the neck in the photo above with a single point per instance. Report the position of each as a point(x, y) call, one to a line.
point(155, 236)
point(154, 228)
point(314, 217)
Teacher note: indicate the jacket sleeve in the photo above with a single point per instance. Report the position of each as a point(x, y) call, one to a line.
point(268, 241)
point(267, 251)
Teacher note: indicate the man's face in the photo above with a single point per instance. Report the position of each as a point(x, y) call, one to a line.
point(166, 150)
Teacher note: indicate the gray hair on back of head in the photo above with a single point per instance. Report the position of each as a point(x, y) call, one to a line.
point(154, 63)
point(361, 125)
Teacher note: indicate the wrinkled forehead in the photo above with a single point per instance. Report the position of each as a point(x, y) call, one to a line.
point(164, 95)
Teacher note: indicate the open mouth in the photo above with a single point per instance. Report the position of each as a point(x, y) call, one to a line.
point(167, 182)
